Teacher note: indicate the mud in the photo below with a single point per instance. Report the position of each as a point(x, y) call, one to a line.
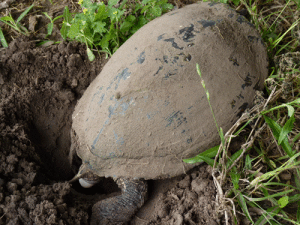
point(39, 88)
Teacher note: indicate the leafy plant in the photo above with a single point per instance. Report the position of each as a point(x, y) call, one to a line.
point(14, 24)
point(50, 25)
point(108, 26)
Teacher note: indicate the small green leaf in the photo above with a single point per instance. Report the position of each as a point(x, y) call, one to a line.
point(90, 54)
point(46, 14)
point(272, 163)
point(276, 129)
point(2, 39)
point(56, 18)
point(155, 11)
point(283, 201)
point(130, 18)
point(74, 30)
point(49, 29)
point(24, 13)
point(286, 129)
point(221, 134)
point(67, 15)
point(45, 43)
point(248, 164)
point(291, 110)
point(234, 157)
point(210, 153)
point(6, 18)
point(126, 26)
point(99, 27)
point(243, 205)
point(235, 177)
point(145, 8)
point(23, 29)
point(102, 14)
point(198, 70)
point(236, 2)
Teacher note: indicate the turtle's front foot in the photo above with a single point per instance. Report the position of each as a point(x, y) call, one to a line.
point(120, 209)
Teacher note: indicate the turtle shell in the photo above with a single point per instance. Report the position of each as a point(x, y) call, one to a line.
point(147, 110)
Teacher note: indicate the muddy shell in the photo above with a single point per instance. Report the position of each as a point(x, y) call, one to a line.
point(147, 110)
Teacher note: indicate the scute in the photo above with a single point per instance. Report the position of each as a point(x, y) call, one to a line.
point(147, 109)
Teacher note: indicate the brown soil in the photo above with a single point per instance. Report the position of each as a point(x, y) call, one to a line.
point(39, 87)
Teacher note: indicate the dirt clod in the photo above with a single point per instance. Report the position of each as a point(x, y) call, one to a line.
point(38, 91)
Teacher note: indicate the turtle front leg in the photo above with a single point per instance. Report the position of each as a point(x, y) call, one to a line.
point(120, 209)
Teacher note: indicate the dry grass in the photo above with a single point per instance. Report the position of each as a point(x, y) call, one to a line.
point(260, 183)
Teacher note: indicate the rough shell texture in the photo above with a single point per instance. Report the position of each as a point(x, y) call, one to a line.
point(147, 110)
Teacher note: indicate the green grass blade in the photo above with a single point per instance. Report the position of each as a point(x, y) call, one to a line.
point(234, 157)
point(24, 13)
point(49, 29)
point(210, 153)
point(243, 205)
point(283, 193)
point(295, 138)
point(277, 184)
point(286, 129)
point(58, 17)
point(7, 18)
point(235, 177)
point(45, 43)
point(46, 14)
point(298, 212)
point(263, 219)
point(248, 163)
point(294, 198)
point(276, 129)
point(24, 29)
point(2, 39)
point(277, 41)
point(288, 105)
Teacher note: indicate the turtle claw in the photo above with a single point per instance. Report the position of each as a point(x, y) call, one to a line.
point(120, 209)
point(85, 176)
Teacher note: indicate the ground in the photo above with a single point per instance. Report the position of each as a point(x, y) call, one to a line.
point(39, 87)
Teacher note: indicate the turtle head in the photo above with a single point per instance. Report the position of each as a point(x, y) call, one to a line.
point(85, 177)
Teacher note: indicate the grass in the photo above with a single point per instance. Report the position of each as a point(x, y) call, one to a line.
point(16, 25)
point(260, 183)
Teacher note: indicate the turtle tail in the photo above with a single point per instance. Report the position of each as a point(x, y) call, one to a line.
point(120, 209)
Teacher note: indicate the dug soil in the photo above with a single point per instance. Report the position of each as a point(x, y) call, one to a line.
point(39, 87)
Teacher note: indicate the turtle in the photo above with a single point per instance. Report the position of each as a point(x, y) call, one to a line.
point(147, 109)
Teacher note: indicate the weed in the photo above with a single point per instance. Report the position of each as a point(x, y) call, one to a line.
point(50, 25)
point(252, 179)
point(14, 24)
point(108, 26)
